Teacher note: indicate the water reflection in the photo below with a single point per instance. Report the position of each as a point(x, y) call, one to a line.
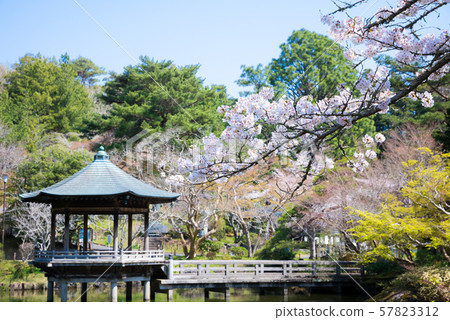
point(188, 295)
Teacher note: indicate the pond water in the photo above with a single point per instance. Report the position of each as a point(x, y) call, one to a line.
point(186, 295)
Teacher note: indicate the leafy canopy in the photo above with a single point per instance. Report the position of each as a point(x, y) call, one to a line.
point(152, 94)
point(309, 64)
point(418, 218)
point(42, 95)
point(49, 166)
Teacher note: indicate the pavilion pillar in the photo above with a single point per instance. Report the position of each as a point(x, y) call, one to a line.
point(146, 225)
point(66, 231)
point(85, 233)
point(114, 291)
point(50, 291)
point(53, 231)
point(63, 291)
point(85, 249)
point(116, 234)
point(130, 232)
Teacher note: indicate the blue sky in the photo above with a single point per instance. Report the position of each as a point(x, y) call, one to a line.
point(219, 35)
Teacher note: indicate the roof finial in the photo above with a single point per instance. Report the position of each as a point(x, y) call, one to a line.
point(101, 154)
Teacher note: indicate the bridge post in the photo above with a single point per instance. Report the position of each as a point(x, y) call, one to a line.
point(286, 294)
point(199, 270)
point(113, 291)
point(314, 269)
point(152, 296)
point(338, 270)
point(227, 294)
point(206, 294)
point(169, 295)
point(147, 294)
point(362, 270)
point(129, 291)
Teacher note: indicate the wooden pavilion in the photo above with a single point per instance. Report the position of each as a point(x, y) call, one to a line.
point(100, 188)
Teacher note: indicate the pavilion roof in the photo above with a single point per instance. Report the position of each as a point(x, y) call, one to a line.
point(100, 178)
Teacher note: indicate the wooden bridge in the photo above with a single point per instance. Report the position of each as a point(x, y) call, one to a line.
point(221, 275)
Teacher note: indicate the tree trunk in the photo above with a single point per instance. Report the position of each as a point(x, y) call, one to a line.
point(312, 246)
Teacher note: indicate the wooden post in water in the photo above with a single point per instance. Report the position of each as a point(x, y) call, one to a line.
point(113, 291)
point(50, 291)
point(227, 294)
point(286, 294)
point(169, 295)
point(85, 249)
point(84, 292)
point(147, 293)
point(63, 291)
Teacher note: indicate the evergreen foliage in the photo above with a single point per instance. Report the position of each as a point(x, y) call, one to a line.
point(40, 96)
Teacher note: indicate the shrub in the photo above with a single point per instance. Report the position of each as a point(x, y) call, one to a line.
point(430, 257)
point(215, 246)
point(427, 283)
point(210, 246)
point(384, 266)
point(239, 252)
point(211, 255)
point(22, 271)
point(284, 250)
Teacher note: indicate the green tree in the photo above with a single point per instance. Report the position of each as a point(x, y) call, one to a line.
point(49, 166)
point(147, 95)
point(407, 110)
point(203, 119)
point(86, 70)
point(41, 96)
point(443, 135)
point(351, 139)
point(417, 219)
point(309, 64)
point(253, 77)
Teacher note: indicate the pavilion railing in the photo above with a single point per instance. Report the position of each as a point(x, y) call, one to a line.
point(47, 256)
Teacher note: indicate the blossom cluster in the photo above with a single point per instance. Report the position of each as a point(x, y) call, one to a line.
point(359, 163)
point(394, 29)
point(308, 121)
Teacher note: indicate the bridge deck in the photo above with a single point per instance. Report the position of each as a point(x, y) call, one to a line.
point(258, 273)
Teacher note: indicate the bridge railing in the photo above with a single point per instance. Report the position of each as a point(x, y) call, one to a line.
point(261, 268)
point(73, 255)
